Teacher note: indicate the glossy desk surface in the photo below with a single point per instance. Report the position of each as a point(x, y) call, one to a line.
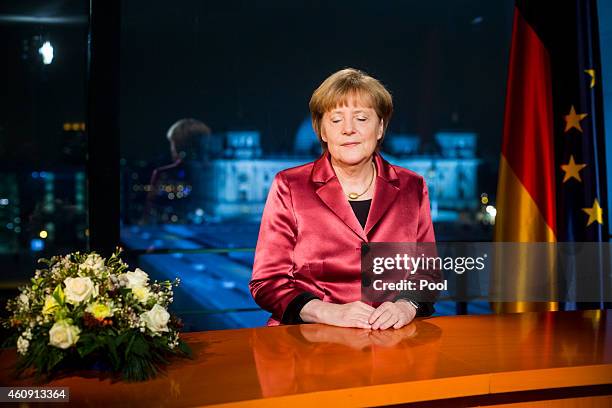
point(436, 358)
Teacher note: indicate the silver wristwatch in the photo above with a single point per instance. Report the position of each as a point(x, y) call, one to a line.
point(415, 304)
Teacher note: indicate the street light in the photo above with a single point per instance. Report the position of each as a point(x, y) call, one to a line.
point(47, 52)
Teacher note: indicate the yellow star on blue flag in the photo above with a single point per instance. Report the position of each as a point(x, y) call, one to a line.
point(595, 213)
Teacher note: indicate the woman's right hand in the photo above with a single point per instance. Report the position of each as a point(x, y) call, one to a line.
point(354, 314)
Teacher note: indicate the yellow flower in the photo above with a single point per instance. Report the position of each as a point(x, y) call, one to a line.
point(99, 310)
point(50, 305)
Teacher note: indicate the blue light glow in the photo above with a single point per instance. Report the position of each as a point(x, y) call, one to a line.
point(37, 245)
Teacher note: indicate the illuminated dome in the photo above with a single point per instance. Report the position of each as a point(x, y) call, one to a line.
point(306, 140)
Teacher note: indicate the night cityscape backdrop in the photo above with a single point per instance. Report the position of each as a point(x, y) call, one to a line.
point(243, 68)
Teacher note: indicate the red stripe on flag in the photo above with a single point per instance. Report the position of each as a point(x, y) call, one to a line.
point(528, 144)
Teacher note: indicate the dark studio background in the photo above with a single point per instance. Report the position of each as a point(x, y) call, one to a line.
point(238, 64)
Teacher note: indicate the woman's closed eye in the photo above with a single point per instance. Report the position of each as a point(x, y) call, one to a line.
point(359, 118)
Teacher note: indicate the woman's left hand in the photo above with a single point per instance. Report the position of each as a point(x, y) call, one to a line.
point(396, 314)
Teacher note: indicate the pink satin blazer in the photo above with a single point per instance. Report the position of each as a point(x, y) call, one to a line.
point(310, 239)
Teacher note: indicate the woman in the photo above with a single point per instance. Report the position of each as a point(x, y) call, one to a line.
point(307, 261)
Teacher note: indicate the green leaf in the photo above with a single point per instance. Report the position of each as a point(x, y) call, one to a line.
point(62, 314)
point(54, 357)
point(120, 338)
point(58, 295)
point(87, 344)
point(128, 349)
point(140, 346)
point(114, 357)
point(45, 261)
point(184, 347)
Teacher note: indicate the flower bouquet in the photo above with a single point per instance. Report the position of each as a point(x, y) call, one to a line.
point(82, 310)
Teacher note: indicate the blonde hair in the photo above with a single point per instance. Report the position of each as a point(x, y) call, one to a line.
point(343, 85)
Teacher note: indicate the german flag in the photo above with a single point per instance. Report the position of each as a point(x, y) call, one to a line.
point(552, 179)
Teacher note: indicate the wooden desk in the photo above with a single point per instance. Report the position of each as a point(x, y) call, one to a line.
point(473, 358)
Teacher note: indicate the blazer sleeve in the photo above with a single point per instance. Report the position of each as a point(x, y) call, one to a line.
point(425, 233)
point(272, 282)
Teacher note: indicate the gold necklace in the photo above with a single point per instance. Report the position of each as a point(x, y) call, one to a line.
point(354, 196)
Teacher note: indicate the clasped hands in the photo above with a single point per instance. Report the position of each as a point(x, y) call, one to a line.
point(358, 314)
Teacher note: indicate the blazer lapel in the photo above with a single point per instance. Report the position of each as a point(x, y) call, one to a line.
point(330, 192)
point(385, 192)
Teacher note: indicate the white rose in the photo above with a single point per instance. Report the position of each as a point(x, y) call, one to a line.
point(141, 293)
point(94, 262)
point(63, 335)
point(138, 278)
point(79, 290)
point(156, 319)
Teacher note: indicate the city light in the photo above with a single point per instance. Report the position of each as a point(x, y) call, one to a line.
point(4, 201)
point(492, 211)
point(43, 234)
point(47, 52)
point(228, 284)
point(73, 127)
point(37, 245)
point(484, 198)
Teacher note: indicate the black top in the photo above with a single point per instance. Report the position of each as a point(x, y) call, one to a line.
point(292, 313)
point(361, 210)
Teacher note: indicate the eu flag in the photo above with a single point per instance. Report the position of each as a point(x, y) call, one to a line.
point(578, 107)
